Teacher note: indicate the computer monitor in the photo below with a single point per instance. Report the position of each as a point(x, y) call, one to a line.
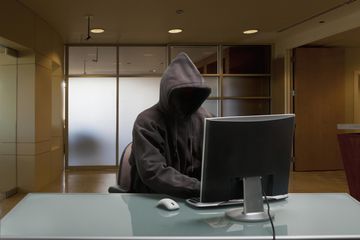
point(243, 157)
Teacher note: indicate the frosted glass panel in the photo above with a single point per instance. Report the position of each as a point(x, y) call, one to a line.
point(246, 86)
point(213, 83)
point(142, 60)
point(246, 59)
point(92, 60)
point(213, 106)
point(204, 57)
point(92, 121)
point(135, 95)
point(232, 107)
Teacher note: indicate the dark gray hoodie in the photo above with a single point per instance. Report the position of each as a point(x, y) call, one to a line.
point(167, 137)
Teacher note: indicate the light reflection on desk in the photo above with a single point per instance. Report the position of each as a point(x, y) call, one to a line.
point(146, 219)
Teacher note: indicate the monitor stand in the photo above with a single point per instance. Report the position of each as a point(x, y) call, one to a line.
point(253, 210)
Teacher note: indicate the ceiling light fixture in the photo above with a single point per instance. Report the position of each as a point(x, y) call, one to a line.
point(97, 30)
point(175, 30)
point(250, 31)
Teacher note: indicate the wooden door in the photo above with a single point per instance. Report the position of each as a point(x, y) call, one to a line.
point(319, 105)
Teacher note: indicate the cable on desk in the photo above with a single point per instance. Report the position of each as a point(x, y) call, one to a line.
point(268, 212)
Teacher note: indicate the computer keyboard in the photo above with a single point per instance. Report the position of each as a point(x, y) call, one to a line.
point(195, 202)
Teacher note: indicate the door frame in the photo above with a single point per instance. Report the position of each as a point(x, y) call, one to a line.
point(356, 117)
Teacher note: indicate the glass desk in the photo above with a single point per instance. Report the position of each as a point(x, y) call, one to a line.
point(135, 216)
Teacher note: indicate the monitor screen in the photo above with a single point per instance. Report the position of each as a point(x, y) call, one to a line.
point(240, 147)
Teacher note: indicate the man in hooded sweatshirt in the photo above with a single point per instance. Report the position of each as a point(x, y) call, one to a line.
point(167, 137)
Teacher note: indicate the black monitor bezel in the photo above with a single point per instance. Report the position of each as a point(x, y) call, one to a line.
point(206, 191)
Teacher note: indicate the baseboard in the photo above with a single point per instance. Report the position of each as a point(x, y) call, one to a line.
point(7, 194)
point(2, 196)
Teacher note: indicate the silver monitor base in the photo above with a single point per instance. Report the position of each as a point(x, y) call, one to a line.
point(253, 210)
point(239, 215)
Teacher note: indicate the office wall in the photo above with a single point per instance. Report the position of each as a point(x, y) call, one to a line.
point(7, 124)
point(306, 33)
point(352, 64)
point(278, 86)
point(39, 110)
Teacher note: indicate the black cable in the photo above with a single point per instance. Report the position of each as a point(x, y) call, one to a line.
point(268, 212)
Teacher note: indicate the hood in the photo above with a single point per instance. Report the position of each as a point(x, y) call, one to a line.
point(182, 88)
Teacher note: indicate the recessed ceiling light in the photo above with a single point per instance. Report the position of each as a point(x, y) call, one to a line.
point(250, 31)
point(97, 30)
point(175, 30)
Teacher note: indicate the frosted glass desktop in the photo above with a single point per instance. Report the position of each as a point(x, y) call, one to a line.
point(134, 216)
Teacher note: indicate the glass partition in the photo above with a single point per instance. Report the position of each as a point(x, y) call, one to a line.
point(142, 60)
point(212, 104)
point(135, 95)
point(238, 107)
point(92, 60)
point(213, 83)
point(246, 59)
point(92, 121)
point(239, 77)
point(204, 57)
point(246, 86)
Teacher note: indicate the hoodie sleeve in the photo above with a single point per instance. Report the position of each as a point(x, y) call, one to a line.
point(152, 167)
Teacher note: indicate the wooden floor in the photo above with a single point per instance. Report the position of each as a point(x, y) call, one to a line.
point(98, 181)
point(79, 181)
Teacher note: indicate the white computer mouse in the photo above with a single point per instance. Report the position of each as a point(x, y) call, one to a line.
point(168, 204)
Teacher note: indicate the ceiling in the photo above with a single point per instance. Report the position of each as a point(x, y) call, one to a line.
point(349, 38)
point(203, 21)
